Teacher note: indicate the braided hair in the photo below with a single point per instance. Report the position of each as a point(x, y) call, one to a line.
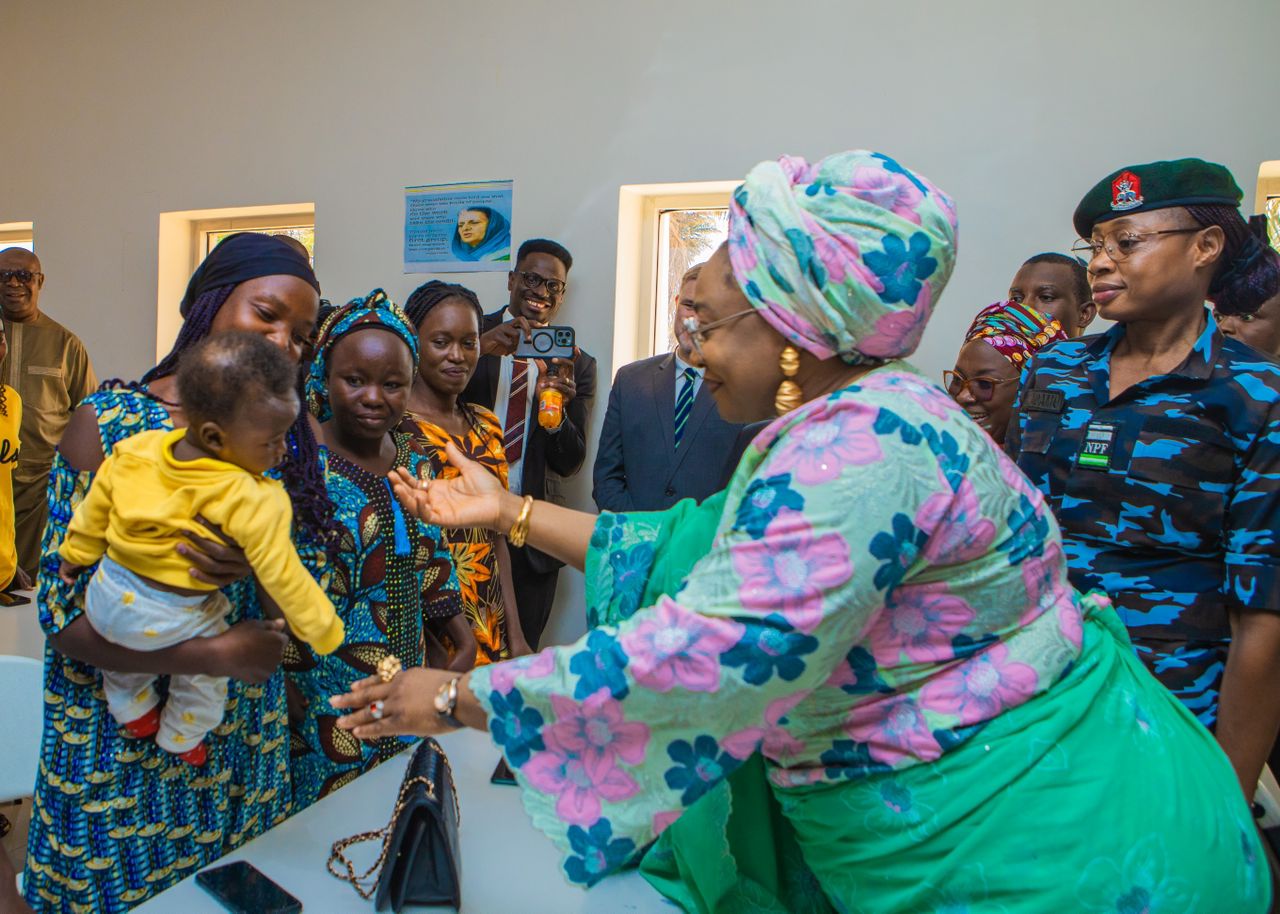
point(1248, 272)
point(300, 472)
point(429, 294)
point(423, 300)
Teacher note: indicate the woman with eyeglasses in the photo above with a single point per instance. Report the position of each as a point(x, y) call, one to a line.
point(870, 633)
point(998, 344)
point(1158, 444)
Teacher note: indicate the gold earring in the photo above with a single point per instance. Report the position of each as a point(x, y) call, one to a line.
point(789, 394)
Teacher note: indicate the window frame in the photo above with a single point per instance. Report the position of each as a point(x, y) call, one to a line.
point(636, 306)
point(17, 233)
point(202, 229)
point(181, 247)
point(663, 293)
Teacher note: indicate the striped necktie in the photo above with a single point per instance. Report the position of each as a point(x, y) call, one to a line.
point(684, 403)
point(517, 411)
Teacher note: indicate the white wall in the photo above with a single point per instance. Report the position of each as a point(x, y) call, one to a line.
point(1015, 108)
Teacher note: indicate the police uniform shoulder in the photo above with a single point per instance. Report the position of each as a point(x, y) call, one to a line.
point(1243, 362)
point(1235, 349)
point(1063, 350)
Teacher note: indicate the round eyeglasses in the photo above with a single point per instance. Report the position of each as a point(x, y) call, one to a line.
point(1122, 244)
point(981, 388)
point(698, 332)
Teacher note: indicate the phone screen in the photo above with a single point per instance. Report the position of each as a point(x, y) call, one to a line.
point(242, 889)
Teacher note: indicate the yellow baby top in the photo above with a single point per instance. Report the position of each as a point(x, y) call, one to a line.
point(143, 501)
point(10, 422)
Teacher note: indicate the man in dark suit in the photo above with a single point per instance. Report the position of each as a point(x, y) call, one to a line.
point(663, 438)
point(511, 388)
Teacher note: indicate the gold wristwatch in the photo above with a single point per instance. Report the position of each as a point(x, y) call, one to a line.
point(446, 702)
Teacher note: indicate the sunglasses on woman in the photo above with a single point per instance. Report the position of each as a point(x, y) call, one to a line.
point(981, 388)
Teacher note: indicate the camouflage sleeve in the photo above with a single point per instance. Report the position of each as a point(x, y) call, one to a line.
point(1013, 435)
point(1252, 529)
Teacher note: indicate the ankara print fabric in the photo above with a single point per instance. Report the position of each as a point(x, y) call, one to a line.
point(1179, 528)
point(392, 576)
point(116, 820)
point(473, 548)
point(882, 584)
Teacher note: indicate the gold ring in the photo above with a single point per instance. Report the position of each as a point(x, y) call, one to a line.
point(388, 667)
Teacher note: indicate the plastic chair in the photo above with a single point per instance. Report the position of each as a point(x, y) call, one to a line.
point(22, 694)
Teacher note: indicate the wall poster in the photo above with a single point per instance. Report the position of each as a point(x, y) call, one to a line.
point(457, 228)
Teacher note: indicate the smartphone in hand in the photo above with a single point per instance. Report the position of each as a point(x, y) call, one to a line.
point(547, 343)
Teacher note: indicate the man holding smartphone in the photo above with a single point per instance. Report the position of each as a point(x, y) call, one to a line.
point(511, 388)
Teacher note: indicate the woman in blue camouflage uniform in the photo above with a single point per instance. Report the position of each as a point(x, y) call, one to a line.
point(1158, 444)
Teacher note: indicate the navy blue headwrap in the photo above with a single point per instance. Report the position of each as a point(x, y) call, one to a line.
point(246, 255)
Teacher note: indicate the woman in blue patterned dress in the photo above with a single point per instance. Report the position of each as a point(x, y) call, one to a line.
point(117, 820)
point(393, 578)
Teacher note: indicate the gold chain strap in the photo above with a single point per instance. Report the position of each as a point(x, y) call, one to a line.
point(337, 854)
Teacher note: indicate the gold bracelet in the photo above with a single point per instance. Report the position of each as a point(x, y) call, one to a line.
point(520, 529)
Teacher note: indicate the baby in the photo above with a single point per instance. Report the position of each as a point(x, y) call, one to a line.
point(238, 396)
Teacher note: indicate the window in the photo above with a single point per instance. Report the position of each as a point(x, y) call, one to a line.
point(187, 236)
point(17, 235)
point(299, 226)
point(304, 234)
point(663, 229)
point(1267, 199)
point(686, 237)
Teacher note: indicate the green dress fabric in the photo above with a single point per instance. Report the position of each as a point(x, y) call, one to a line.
point(735, 850)
point(881, 624)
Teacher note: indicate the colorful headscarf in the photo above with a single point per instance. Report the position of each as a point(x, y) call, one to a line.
point(374, 311)
point(843, 257)
point(1014, 330)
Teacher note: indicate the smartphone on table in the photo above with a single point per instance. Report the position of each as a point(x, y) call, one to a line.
point(503, 774)
point(241, 888)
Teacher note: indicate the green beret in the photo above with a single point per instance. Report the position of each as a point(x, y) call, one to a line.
point(1156, 185)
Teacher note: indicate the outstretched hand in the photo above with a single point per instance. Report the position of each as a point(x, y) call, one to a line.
point(472, 499)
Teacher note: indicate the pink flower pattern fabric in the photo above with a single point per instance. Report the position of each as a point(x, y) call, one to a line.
point(919, 623)
point(844, 256)
point(876, 592)
point(893, 730)
point(674, 647)
point(790, 569)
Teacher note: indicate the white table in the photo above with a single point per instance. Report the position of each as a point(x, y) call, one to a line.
point(507, 864)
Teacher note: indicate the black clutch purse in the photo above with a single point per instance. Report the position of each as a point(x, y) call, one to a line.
point(419, 862)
